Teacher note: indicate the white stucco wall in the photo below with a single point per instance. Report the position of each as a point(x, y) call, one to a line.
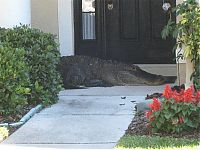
point(55, 16)
point(14, 12)
point(44, 15)
point(66, 27)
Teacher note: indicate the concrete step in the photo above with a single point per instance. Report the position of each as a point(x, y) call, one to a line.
point(161, 69)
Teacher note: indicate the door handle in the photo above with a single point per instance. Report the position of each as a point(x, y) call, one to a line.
point(110, 5)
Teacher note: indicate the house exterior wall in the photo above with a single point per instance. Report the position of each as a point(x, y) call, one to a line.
point(44, 15)
point(181, 67)
point(56, 16)
point(14, 12)
point(181, 73)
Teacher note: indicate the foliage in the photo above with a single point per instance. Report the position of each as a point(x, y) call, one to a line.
point(176, 113)
point(3, 133)
point(42, 57)
point(187, 33)
point(157, 143)
point(14, 79)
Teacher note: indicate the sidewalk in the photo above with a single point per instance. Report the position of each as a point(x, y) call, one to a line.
point(93, 118)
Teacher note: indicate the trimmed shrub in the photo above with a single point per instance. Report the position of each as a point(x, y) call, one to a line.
point(179, 111)
point(42, 58)
point(14, 80)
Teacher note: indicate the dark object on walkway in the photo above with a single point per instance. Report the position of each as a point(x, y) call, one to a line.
point(92, 72)
point(154, 95)
point(159, 95)
point(122, 104)
point(123, 97)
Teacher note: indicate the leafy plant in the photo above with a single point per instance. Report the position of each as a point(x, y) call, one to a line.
point(176, 112)
point(187, 33)
point(14, 79)
point(3, 133)
point(42, 57)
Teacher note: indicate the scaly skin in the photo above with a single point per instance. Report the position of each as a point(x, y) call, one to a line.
point(89, 71)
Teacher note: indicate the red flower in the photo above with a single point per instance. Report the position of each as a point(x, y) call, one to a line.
point(167, 92)
point(155, 106)
point(178, 97)
point(181, 120)
point(188, 95)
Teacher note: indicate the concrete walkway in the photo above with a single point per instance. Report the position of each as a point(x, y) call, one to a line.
point(93, 118)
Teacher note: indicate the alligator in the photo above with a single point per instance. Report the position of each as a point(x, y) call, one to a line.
point(84, 71)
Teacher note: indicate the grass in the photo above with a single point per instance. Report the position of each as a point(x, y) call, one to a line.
point(157, 143)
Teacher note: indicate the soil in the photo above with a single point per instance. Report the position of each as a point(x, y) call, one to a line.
point(14, 118)
point(139, 124)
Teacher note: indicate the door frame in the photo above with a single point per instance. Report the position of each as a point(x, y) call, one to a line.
point(102, 39)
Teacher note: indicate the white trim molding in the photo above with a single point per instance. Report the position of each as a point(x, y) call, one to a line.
point(66, 27)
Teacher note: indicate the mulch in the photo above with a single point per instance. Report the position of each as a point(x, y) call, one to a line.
point(15, 118)
point(139, 124)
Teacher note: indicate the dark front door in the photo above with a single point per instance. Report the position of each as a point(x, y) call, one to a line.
point(123, 30)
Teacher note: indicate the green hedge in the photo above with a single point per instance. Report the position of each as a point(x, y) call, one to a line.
point(41, 57)
point(14, 80)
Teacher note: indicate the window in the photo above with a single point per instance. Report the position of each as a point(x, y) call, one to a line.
point(88, 19)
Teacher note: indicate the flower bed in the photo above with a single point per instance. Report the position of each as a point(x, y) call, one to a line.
point(172, 122)
point(176, 112)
